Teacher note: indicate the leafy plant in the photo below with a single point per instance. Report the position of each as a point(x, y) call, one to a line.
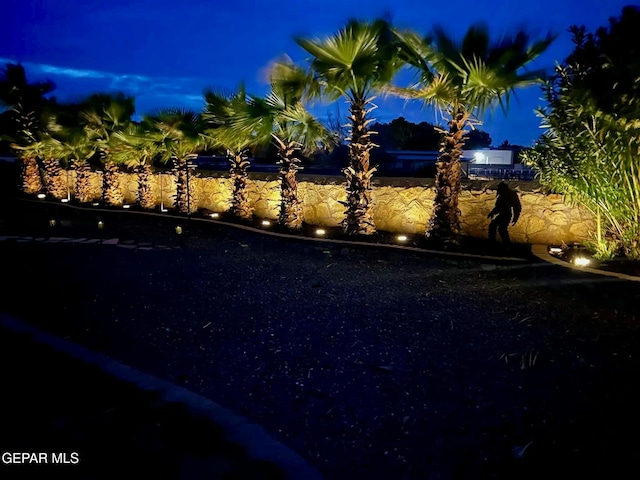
point(589, 152)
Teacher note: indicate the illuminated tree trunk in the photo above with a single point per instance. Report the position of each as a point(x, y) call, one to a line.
point(145, 196)
point(112, 192)
point(55, 183)
point(83, 192)
point(444, 225)
point(240, 206)
point(30, 174)
point(290, 205)
point(359, 216)
point(185, 188)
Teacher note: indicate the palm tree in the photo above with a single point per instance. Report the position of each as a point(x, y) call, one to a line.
point(463, 79)
point(220, 110)
point(282, 118)
point(179, 137)
point(74, 148)
point(47, 149)
point(137, 147)
point(25, 104)
point(104, 115)
point(355, 64)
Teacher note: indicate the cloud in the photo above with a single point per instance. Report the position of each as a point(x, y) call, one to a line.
point(68, 72)
point(151, 93)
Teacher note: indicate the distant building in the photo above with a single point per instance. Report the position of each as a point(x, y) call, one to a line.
point(414, 163)
point(484, 163)
point(495, 164)
point(487, 157)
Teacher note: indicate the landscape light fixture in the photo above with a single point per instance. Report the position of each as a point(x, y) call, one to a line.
point(402, 238)
point(214, 215)
point(555, 250)
point(579, 261)
point(42, 196)
point(95, 204)
point(266, 223)
point(100, 224)
point(64, 200)
point(321, 231)
point(178, 229)
point(126, 205)
point(52, 222)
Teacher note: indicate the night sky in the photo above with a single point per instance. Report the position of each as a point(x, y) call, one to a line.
point(166, 52)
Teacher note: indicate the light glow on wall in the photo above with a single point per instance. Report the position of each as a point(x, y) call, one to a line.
point(479, 157)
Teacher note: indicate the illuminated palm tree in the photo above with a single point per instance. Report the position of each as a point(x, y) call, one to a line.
point(137, 147)
point(463, 79)
point(179, 138)
point(47, 148)
point(103, 116)
point(220, 110)
point(281, 118)
point(74, 148)
point(356, 63)
point(25, 103)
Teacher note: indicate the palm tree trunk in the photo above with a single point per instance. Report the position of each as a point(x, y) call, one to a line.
point(444, 225)
point(111, 185)
point(359, 215)
point(240, 206)
point(54, 180)
point(185, 200)
point(145, 198)
point(30, 174)
point(83, 181)
point(290, 205)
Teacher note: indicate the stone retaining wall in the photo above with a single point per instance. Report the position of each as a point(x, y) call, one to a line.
point(400, 204)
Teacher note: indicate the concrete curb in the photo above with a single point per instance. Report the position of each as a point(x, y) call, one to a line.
point(540, 251)
point(258, 443)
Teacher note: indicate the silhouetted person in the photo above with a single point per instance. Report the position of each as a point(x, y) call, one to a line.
point(507, 209)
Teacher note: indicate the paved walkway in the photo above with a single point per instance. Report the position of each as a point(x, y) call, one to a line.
point(109, 419)
point(72, 387)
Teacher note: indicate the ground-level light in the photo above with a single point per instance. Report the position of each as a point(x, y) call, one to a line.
point(266, 223)
point(402, 238)
point(579, 261)
point(321, 231)
point(42, 196)
point(214, 215)
point(178, 229)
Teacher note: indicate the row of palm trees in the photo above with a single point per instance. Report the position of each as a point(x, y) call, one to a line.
point(358, 63)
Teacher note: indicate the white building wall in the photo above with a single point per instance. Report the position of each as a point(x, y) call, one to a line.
point(488, 157)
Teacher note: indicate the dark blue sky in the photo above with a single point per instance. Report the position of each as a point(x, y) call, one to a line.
point(166, 52)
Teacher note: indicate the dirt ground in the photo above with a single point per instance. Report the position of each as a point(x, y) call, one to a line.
point(368, 362)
